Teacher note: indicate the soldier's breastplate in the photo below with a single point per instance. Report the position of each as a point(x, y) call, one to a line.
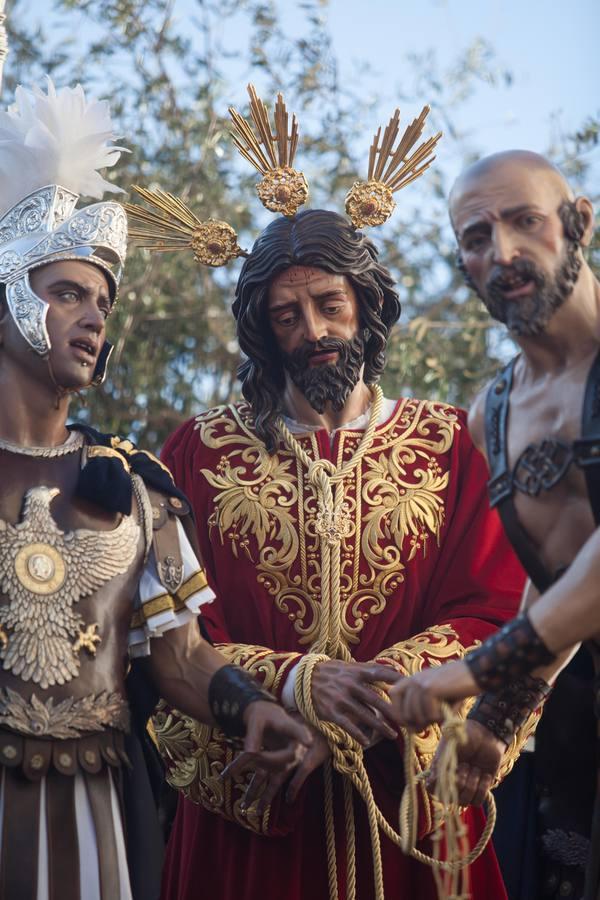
point(68, 575)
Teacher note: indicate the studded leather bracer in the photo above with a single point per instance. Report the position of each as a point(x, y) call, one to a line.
point(230, 692)
point(505, 712)
point(511, 653)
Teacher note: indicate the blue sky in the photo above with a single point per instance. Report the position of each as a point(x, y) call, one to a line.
point(550, 48)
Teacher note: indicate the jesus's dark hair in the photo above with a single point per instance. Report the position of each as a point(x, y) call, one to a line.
point(323, 240)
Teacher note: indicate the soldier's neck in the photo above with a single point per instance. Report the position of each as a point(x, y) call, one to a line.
point(30, 414)
point(297, 407)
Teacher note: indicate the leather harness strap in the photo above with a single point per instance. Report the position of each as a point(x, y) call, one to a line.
point(63, 844)
point(587, 448)
point(586, 453)
point(19, 863)
point(500, 485)
point(99, 794)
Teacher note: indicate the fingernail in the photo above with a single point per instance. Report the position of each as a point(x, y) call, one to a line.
point(243, 806)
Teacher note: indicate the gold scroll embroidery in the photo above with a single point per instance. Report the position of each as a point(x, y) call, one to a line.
point(433, 648)
point(266, 509)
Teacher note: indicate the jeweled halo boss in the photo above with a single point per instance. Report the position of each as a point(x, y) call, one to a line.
point(346, 536)
point(97, 572)
point(522, 235)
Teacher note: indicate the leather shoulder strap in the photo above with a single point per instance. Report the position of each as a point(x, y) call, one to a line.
point(165, 540)
point(500, 485)
point(587, 449)
point(496, 415)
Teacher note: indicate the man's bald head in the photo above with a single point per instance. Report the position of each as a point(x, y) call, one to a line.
point(506, 167)
point(519, 232)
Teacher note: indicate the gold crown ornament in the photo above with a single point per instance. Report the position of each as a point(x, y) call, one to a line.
point(175, 227)
point(282, 189)
point(172, 225)
point(371, 202)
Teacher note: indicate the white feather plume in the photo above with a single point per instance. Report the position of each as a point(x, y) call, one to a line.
point(55, 138)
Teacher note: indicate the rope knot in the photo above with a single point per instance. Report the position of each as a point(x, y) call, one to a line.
point(319, 470)
point(453, 728)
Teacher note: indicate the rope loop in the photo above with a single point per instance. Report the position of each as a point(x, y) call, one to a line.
point(319, 470)
point(347, 760)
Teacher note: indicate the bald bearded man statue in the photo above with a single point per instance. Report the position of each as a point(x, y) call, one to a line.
point(521, 237)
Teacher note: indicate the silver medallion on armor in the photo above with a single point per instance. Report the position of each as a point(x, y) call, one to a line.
point(44, 572)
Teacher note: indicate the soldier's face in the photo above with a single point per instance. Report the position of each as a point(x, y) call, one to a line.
point(79, 299)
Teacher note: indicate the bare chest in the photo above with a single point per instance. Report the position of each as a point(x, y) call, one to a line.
point(550, 490)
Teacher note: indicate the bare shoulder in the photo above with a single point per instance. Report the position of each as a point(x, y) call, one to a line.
point(476, 419)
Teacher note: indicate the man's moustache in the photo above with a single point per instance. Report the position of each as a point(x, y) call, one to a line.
point(501, 276)
point(301, 355)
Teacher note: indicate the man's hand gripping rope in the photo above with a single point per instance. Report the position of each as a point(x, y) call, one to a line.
point(347, 759)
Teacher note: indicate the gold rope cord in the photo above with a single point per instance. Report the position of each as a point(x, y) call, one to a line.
point(333, 523)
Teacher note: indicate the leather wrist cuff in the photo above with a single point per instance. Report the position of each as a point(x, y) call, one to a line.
point(230, 691)
point(504, 713)
point(514, 651)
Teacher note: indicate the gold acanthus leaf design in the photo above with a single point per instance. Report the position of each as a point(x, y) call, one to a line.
point(259, 503)
point(64, 719)
point(432, 648)
point(398, 506)
point(196, 754)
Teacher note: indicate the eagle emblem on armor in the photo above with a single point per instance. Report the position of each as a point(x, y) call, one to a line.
point(44, 571)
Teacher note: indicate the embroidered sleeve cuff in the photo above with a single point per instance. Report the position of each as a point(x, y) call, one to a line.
point(157, 611)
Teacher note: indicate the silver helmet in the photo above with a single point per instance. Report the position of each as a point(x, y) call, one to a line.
point(51, 146)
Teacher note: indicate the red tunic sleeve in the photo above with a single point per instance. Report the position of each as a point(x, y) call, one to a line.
point(475, 587)
point(182, 454)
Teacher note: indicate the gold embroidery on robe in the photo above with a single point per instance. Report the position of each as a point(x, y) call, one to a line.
point(266, 509)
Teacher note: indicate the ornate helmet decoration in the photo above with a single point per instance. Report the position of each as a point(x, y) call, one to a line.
point(51, 147)
point(172, 225)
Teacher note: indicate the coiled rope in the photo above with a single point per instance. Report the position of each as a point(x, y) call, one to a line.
point(332, 525)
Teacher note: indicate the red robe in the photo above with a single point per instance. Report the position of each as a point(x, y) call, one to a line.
point(425, 572)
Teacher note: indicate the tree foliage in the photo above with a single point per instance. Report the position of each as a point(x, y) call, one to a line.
point(170, 69)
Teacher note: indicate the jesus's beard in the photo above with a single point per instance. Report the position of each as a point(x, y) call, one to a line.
point(327, 383)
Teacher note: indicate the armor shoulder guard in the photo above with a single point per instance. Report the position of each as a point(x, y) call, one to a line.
point(111, 461)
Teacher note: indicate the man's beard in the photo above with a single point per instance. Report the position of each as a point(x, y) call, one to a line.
point(327, 383)
point(528, 316)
